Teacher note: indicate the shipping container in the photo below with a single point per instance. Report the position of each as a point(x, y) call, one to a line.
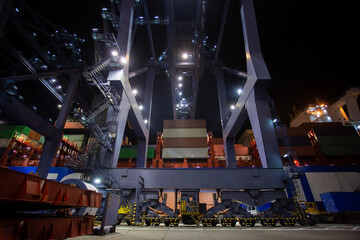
point(296, 131)
point(9, 130)
point(341, 150)
point(339, 140)
point(335, 202)
point(131, 152)
point(325, 125)
point(296, 141)
point(300, 151)
point(336, 131)
point(184, 123)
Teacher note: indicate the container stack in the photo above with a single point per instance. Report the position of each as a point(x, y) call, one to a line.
point(339, 144)
point(185, 143)
point(300, 144)
point(128, 155)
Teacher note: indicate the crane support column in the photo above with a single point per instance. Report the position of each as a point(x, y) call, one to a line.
point(263, 127)
point(110, 159)
point(144, 142)
point(229, 148)
point(51, 144)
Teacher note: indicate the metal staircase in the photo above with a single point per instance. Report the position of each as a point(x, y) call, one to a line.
point(292, 171)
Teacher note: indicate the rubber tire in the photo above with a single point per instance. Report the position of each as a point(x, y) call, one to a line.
point(233, 223)
point(148, 223)
point(118, 221)
point(311, 222)
point(283, 222)
point(128, 222)
point(167, 223)
point(273, 224)
point(242, 222)
point(263, 222)
point(252, 223)
point(214, 223)
point(302, 222)
point(223, 223)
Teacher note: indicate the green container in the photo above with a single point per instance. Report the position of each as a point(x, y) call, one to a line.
point(151, 153)
point(42, 140)
point(10, 130)
point(131, 152)
point(76, 138)
point(341, 150)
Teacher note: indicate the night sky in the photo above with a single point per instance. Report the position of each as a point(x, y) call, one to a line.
point(310, 48)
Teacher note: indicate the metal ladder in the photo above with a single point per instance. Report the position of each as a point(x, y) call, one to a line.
point(291, 170)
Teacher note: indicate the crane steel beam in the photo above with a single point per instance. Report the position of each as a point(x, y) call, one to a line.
point(34, 76)
point(143, 143)
point(230, 178)
point(24, 115)
point(170, 34)
point(51, 144)
point(148, 26)
point(116, 122)
point(221, 32)
point(235, 72)
point(5, 8)
point(128, 108)
point(138, 72)
point(254, 97)
point(199, 21)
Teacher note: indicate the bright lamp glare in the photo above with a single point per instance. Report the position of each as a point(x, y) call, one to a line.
point(114, 53)
point(141, 107)
point(123, 60)
point(239, 91)
point(180, 78)
point(232, 107)
point(145, 121)
point(185, 56)
point(97, 180)
point(135, 92)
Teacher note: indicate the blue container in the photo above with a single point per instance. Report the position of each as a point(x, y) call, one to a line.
point(341, 201)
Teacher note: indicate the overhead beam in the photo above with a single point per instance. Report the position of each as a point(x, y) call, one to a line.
point(148, 26)
point(5, 8)
point(221, 32)
point(138, 72)
point(235, 72)
point(170, 35)
point(38, 75)
point(24, 115)
point(28, 36)
point(200, 22)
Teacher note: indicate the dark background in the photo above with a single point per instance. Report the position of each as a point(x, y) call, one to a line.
point(310, 48)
